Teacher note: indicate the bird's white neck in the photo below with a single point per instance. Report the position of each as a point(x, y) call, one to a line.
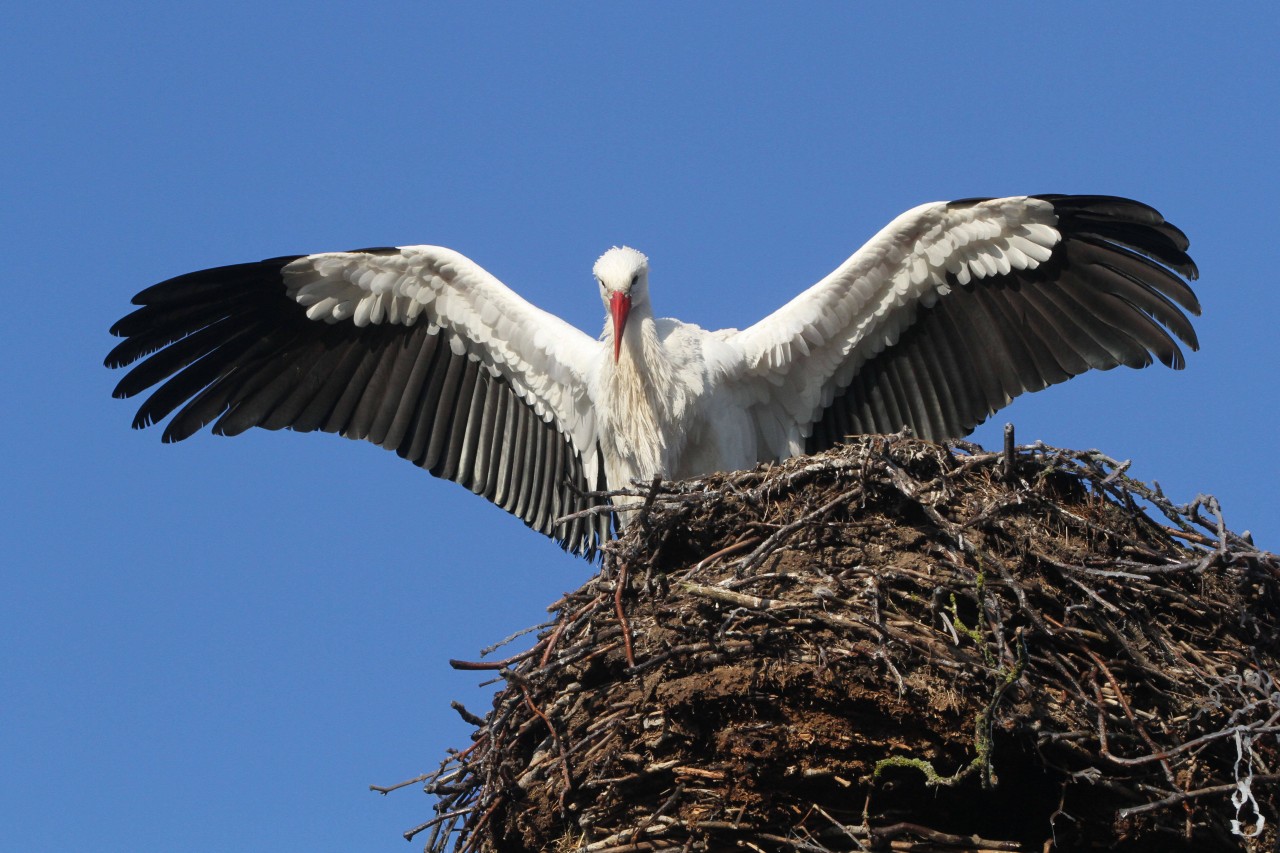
point(640, 407)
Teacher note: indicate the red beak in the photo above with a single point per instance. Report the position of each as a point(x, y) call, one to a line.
point(619, 306)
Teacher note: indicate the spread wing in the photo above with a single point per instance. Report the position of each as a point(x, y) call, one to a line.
point(955, 308)
point(416, 349)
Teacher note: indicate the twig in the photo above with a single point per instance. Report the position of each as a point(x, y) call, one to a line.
point(619, 586)
point(467, 716)
point(897, 830)
point(491, 664)
point(758, 603)
point(389, 788)
point(728, 551)
point(562, 624)
point(1009, 451)
point(1183, 796)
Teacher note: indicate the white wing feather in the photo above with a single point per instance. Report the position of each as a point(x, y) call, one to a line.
point(546, 360)
point(800, 356)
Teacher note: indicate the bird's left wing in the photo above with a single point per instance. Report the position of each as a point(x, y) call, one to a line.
point(417, 349)
point(955, 308)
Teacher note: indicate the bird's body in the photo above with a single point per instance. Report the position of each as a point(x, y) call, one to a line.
point(666, 406)
point(942, 318)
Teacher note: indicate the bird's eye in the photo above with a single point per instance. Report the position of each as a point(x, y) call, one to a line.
point(634, 276)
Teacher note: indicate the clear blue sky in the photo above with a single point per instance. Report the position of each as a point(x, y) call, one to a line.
point(218, 645)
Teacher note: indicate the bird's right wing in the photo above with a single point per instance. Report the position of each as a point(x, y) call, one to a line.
point(417, 349)
point(955, 308)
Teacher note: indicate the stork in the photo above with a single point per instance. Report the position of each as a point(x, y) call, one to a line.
point(943, 317)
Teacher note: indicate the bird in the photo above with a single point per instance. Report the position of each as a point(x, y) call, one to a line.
point(942, 318)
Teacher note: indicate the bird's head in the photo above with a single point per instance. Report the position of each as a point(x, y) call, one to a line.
point(623, 276)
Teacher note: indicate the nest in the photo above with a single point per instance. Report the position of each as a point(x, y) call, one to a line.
point(897, 645)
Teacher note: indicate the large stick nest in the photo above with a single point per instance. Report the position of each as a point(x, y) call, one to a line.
point(897, 645)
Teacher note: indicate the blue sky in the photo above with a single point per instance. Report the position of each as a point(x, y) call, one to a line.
point(219, 645)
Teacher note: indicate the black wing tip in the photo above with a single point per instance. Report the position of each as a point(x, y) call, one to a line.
point(1114, 208)
point(1131, 225)
point(183, 287)
point(1191, 272)
point(1135, 226)
point(174, 309)
point(116, 359)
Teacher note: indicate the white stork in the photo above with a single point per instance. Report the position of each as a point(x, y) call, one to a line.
point(946, 315)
